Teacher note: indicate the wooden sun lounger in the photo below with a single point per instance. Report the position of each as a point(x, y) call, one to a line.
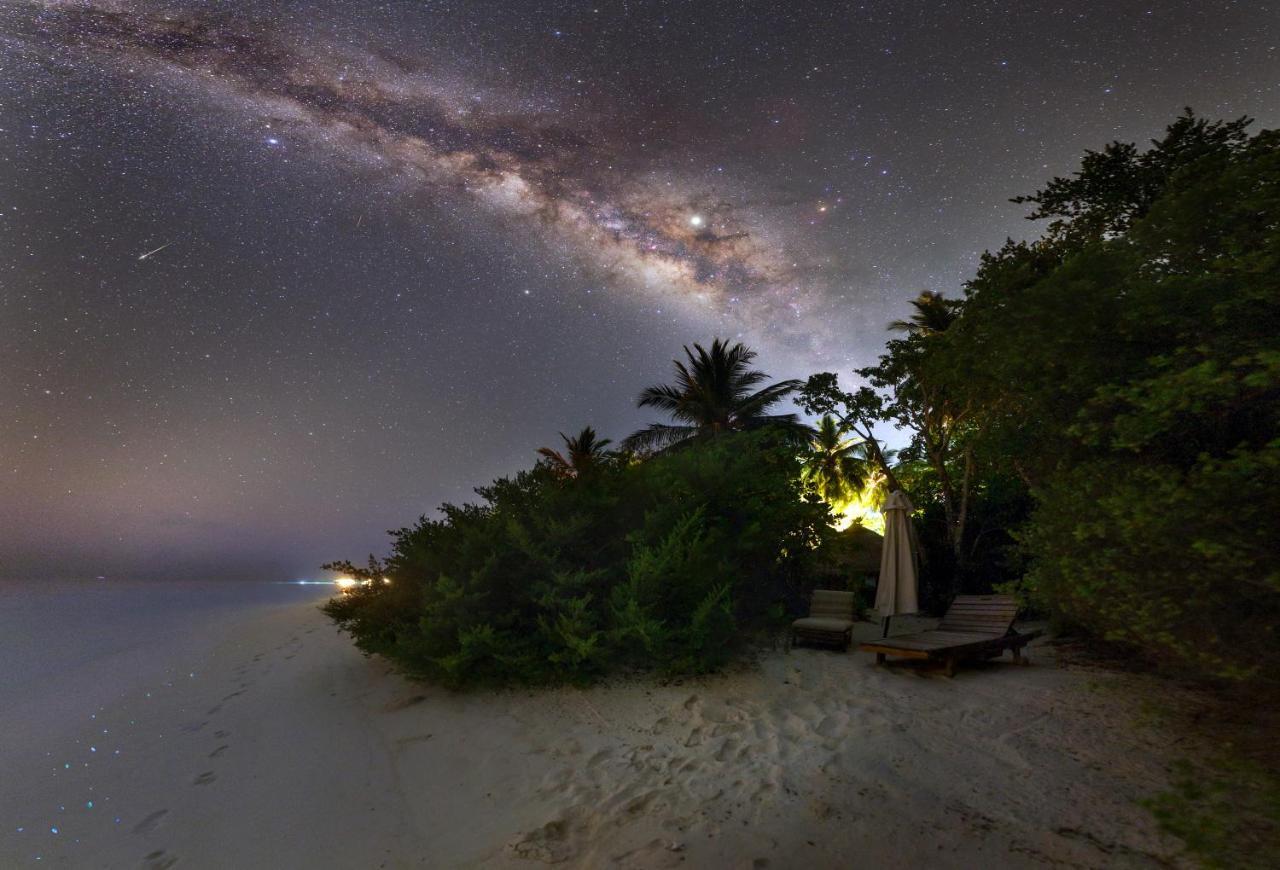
point(975, 626)
point(830, 619)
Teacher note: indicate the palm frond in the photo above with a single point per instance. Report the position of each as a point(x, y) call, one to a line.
point(657, 437)
point(662, 396)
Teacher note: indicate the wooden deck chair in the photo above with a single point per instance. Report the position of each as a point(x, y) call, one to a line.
point(975, 626)
point(830, 619)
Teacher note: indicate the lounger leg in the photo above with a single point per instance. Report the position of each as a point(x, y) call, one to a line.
point(951, 667)
point(1018, 657)
point(879, 658)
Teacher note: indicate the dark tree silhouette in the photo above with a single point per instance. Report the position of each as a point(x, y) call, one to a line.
point(582, 452)
point(934, 313)
point(715, 391)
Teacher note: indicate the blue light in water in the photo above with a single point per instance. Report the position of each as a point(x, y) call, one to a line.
point(89, 804)
point(54, 830)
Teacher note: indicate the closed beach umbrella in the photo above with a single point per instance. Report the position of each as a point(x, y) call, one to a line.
point(896, 591)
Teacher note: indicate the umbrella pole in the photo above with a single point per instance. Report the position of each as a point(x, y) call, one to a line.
point(884, 626)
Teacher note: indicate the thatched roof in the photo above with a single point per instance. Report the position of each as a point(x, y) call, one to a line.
point(856, 550)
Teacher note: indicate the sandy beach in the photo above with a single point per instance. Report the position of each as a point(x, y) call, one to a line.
point(276, 744)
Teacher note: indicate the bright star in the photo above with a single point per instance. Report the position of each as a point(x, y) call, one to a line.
point(696, 220)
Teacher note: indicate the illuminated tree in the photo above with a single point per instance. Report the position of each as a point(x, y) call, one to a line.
point(834, 464)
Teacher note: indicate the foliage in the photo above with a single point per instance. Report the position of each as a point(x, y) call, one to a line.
point(1095, 423)
point(715, 392)
point(1228, 817)
point(934, 313)
point(583, 453)
point(833, 464)
point(1126, 369)
point(905, 390)
point(668, 564)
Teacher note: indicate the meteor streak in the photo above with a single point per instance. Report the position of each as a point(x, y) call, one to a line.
point(156, 251)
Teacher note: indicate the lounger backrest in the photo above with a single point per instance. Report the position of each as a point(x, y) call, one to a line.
point(980, 614)
point(831, 604)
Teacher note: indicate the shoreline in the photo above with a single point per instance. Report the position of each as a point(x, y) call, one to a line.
point(290, 749)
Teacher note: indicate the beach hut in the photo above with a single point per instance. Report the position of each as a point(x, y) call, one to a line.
point(896, 590)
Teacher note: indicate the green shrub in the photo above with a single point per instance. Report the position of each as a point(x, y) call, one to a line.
point(1126, 369)
point(668, 564)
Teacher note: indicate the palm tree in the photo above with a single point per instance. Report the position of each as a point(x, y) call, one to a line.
point(934, 313)
point(583, 452)
point(834, 464)
point(714, 392)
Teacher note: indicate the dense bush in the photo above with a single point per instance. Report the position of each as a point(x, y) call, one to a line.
point(1128, 369)
point(670, 563)
point(1096, 423)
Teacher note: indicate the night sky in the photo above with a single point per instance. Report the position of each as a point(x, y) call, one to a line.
point(276, 277)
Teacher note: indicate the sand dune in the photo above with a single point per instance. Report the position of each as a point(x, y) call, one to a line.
point(291, 750)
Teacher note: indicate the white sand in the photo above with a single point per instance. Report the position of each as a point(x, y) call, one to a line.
point(291, 750)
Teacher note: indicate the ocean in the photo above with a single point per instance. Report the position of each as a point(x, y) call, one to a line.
point(68, 648)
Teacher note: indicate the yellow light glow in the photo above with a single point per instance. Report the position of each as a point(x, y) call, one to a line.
point(345, 582)
point(386, 581)
point(863, 508)
point(863, 513)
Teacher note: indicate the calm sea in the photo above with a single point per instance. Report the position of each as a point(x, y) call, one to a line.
point(69, 647)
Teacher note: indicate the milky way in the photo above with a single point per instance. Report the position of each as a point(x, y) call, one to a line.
point(278, 275)
point(650, 231)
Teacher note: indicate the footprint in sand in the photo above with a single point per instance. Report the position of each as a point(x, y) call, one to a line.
point(221, 734)
point(727, 750)
point(409, 741)
point(205, 778)
point(158, 860)
point(403, 703)
point(638, 804)
point(655, 853)
point(221, 749)
point(192, 727)
point(600, 757)
point(832, 725)
point(728, 728)
point(546, 844)
point(569, 748)
point(150, 823)
point(214, 709)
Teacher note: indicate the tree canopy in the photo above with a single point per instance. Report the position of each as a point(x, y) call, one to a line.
point(715, 391)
